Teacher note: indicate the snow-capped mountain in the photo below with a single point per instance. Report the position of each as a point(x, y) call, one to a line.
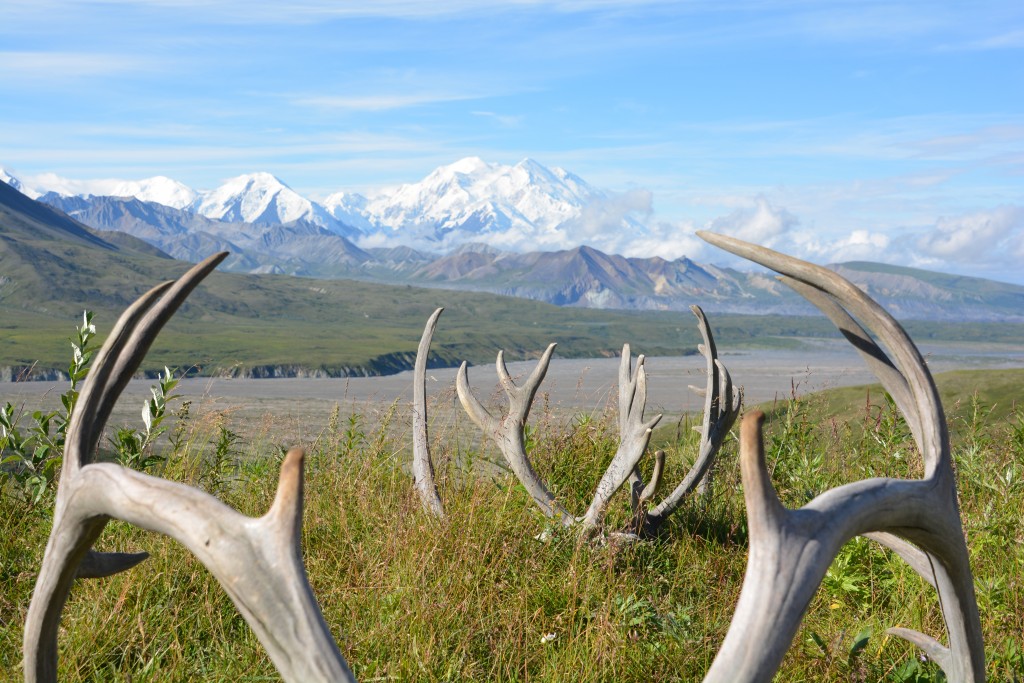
point(580, 276)
point(262, 199)
point(6, 177)
point(158, 189)
point(298, 247)
point(517, 208)
point(511, 207)
point(256, 198)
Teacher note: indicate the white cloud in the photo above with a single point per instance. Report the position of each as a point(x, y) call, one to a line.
point(762, 223)
point(982, 235)
point(382, 102)
point(51, 182)
point(859, 245)
point(605, 216)
point(32, 66)
point(507, 120)
point(670, 241)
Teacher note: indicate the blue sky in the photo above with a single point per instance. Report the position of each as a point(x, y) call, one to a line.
point(887, 131)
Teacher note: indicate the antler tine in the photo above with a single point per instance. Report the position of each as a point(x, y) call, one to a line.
point(522, 397)
point(713, 405)
point(933, 439)
point(508, 431)
point(721, 407)
point(634, 438)
point(257, 561)
point(627, 384)
point(120, 357)
point(92, 394)
point(790, 550)
point(930, 569)
point(472, 405)
point(920, 561)
point(655, 482)
point(935, 650)
point(422, 466)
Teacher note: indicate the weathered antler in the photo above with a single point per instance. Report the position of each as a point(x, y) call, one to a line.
point(257, 561)
point(634, 436)
point(422, 466)
point(508, 431)
point(721, 407)
point(790, 550)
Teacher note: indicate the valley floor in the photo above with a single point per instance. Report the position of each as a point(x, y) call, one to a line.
point(571, 386)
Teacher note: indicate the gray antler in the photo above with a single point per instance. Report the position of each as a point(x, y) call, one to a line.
point(634, 436)
point(790, 550)
point(507, 432)
point(422, 466)
point(721, 407)
point(722, 404)
point(257, 561)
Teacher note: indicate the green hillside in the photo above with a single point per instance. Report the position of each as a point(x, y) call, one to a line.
point(1000, 392)
point(52, 268)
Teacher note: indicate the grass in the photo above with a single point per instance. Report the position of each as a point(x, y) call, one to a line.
point(968, 398)
point(477, 597)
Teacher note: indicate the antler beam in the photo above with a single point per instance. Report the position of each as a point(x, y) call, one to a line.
point(257, 561)
point(721, 407)
point(422, 466)
point(507, 432)
point(790, 550)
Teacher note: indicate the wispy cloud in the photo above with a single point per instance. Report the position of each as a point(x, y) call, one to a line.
point(503, 119)
point(28, 65)
point(1005, 40)
point(370, 103)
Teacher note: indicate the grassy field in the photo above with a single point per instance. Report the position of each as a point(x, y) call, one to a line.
point(477, 597)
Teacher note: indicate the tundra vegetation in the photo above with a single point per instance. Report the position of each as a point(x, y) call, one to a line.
point(493, 583)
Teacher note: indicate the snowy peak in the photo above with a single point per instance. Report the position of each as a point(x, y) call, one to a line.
point(511, 207)
point(469, 166)
point(263, 199)
point(254, 198)
point(159, 190)
point(6, 177)
point(523, 207)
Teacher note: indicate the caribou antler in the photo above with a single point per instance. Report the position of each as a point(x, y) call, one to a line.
point(721, 407)
point(422, 466)
point(635, 435)
point(507, 433)
point(790, 550)
point(257, 561)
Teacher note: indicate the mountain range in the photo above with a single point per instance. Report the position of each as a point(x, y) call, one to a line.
point(463, 227)
point(259, 325)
